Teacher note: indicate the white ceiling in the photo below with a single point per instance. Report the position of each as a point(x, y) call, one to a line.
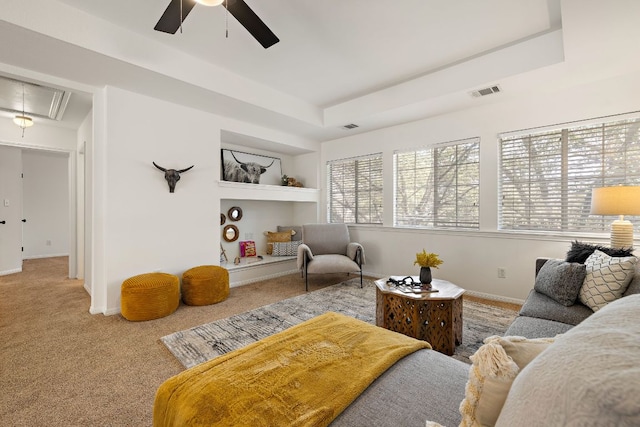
point(370, 62)
point(332, 51)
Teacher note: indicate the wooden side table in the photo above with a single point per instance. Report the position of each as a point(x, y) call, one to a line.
point(432, 317)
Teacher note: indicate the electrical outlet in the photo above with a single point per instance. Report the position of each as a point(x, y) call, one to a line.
point(502, 273)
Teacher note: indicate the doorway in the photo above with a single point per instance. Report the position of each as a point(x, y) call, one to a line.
point(38, 206)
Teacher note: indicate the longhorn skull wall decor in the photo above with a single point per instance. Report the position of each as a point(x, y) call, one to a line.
point(172, 175)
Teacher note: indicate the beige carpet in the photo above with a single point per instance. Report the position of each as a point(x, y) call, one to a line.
point(61, 366)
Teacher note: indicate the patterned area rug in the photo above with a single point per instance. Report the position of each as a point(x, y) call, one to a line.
point(204, 342)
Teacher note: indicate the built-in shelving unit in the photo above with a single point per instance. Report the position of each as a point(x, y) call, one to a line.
point(242, 191)
point(267, 206)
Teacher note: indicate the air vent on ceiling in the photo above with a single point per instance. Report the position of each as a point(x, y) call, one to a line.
point(350, 126)
point(486, 91)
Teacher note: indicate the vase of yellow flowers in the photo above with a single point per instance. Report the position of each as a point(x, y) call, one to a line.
point(426, 261)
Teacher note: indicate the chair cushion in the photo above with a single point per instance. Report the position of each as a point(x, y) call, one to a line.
point(326, 238)
point(331, 264)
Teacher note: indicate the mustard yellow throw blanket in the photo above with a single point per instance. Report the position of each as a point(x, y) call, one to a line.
point(303, 376)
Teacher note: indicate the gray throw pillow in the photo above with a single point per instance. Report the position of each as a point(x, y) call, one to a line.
point(560, 281)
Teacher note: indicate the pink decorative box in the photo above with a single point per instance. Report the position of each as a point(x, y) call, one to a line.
point(247, 248)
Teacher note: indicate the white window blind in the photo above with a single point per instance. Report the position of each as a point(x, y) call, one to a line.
point(438, 186)
point(546, 177)
point(355, 190)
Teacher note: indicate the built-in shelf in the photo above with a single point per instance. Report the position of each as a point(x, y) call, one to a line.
point(250, 271)
point(251, 262)
point(244, 191)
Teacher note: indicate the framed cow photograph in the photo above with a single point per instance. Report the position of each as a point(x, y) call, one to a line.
point(238, 166)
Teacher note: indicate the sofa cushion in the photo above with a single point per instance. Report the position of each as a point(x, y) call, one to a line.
point(580, 251)
point(532, 327)
point(634, 285)
point(589, 376)
point(607, 279)
point(495, 366)
point(423, 385)
point(560, 280)
point(543, 307)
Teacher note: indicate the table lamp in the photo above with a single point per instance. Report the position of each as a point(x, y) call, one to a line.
point(619, 200)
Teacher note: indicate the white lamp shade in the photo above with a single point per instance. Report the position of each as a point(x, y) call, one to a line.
point(210, 2)
point(23, 121)
point(618, 200)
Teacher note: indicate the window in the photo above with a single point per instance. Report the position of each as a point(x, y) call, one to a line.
point(355, 190)
point(546, 177)
point(438, 186)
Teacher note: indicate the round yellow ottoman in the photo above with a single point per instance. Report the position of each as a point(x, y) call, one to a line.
point(149, 296)
point(204, 285)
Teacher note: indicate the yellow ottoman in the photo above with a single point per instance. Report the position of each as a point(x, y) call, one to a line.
point(149, 296)
point(204, 285)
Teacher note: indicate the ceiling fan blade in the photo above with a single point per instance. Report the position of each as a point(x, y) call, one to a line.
point(249, 20)
point(170, 20)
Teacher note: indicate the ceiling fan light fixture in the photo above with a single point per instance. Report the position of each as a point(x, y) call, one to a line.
point(23, 121)
point(210, 2)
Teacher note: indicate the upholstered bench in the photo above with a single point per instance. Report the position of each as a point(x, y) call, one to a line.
point(204, 285)
point(149, 296)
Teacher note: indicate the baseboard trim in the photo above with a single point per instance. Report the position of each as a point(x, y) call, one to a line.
point(112, 312)
point(494, 297)
point(7, 272)
point(45, 256)
point(258, 279)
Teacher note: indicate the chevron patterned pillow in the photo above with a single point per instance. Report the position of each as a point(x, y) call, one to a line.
point(606, 280)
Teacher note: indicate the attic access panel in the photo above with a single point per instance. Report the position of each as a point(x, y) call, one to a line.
point(39, 101)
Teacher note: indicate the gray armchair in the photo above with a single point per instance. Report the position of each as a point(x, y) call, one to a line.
point(327, 248)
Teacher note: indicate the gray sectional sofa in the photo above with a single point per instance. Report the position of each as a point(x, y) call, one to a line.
point(428, 386)
point(541, 316)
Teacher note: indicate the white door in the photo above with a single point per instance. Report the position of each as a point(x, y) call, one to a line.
point(10, 210)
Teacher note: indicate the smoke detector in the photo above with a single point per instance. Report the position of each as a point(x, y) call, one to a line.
point(486, 91)
point(350, 126)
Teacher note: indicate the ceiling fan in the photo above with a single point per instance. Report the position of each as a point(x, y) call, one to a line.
point(171, 20)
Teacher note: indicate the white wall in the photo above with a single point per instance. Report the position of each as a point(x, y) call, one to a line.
point(137, 225)
point(471, 259)
point(45, 203)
